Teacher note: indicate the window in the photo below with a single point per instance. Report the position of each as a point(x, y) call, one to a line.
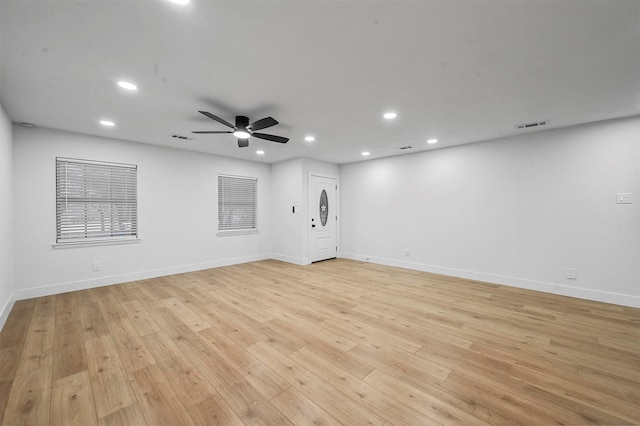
point(237, 203)
point(95, 201)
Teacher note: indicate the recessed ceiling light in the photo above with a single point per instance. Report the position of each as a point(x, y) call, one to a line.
point(366, 154)
point(107, 123)
point(432, 141)
point(260, 152)
point(390, 115)
point(127, 85)
point(180, 2)
point(309, 138)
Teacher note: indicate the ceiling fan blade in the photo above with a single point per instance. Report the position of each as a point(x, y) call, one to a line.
point(272, 138)
point(218, 119)
point(243, 143)
point(262, 124)
point(211, 131)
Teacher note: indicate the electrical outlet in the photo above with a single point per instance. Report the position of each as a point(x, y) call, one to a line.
point(96, 266)
point(407, 252)
point(571, 273)
point(623, 198)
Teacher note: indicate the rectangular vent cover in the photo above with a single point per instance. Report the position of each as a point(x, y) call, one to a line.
point(530, 125)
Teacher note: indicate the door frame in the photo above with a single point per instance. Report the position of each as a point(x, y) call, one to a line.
point(310, 208)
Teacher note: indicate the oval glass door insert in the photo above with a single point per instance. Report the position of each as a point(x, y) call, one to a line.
point(324, 207)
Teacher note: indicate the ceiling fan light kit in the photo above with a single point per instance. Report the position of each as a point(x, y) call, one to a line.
point(243, 130)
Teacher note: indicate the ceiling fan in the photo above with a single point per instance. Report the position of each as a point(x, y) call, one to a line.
point(243, 130)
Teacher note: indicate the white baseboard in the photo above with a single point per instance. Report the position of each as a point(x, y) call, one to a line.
point(6, 310)
point(559, 289)
point(135, 276)
point(295, 260)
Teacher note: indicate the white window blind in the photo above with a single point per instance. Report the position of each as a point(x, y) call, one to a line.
point(237, 203)
point(95, 201)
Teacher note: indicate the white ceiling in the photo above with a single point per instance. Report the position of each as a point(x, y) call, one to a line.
point(458, 71)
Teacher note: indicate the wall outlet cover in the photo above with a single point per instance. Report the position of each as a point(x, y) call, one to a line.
point(623, 198)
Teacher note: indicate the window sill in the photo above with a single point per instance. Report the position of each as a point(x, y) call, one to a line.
point(94, 243)
point(239, 232)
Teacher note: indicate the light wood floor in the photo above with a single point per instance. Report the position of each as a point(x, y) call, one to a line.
point(338, 342)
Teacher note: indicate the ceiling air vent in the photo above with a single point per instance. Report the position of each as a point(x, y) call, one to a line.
point(406, 147)
point(531, 125)
point(184, 138)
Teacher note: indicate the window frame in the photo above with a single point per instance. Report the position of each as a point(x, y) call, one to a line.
point(106, 200)
point(220, 197)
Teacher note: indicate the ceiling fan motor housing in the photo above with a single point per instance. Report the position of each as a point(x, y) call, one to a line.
point(242, 122)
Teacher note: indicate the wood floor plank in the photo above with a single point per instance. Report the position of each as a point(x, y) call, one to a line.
point(186, 315)
point(109, 305)
point(93, 328)
point(16, 327)
point(248, 404)
point(66, 307)
point(330, 337)
point(336, 342)
point(189, 384)
point(373, 334)
point(140, 318)
point(132, 351)
point(260, 376)
point(385, 406)
point(214, 411)
point(126, 416)
point(157, 399)
point(109, 381)
point(393, 360)
point(72, 401)
point(68, 353)
point(428, 405)
point(29, 401)
point(301, 410)
point(328, 397)
point(9, 358)
point(237, 325)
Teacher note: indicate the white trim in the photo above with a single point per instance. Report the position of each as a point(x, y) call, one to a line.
point(92, 243)
point(288, 259)
point(6, 310)
point(629, 300)
point(98, 163)
point(232, 232)
point(49, 290)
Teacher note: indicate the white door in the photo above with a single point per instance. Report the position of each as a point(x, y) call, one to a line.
point(322, 217)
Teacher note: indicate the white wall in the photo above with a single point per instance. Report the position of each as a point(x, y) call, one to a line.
point(286, 191)
point(516, 211)
point(177, 208)
point(6, 218)
point(290, 186)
